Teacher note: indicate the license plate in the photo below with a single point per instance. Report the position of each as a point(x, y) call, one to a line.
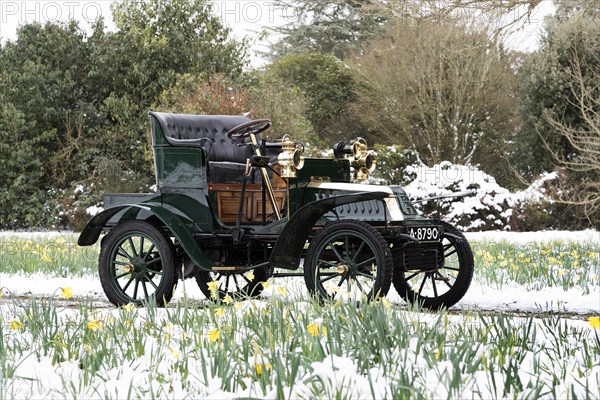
point(426, 233)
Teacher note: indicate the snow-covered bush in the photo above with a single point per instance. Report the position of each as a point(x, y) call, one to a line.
point(488, 206)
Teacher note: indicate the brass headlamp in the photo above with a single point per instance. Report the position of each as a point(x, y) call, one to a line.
point(291, 158)
point(363, 160)
point(365, 165)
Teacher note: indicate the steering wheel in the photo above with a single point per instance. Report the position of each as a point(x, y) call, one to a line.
point(244, 130)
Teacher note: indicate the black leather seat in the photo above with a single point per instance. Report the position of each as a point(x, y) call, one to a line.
point(227, 157)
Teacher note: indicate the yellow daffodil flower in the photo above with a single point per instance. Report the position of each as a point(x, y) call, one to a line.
point(214, 288)
point(259, 368)
point(15, 324)
point(266, 284)
point(214, 335)
point(227, 299)
point(66, 293)
point(128, 307)
point(219, 312)
point(250, 276)
point(594, 322)
point(45, 257)
point(95, 325)
point(313, 329)
point(386, 303)
point(174, 353)
point(282, 290)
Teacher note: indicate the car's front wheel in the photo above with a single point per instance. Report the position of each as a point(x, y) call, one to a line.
point(348, 259)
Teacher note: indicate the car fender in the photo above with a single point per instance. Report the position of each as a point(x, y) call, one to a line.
point(92, 230)
point(288, 248)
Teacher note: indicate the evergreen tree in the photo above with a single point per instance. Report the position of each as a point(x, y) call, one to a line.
point(545, 87)
point(74, 108)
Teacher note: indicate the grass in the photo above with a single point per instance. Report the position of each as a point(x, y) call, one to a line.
point(566, 265)
point(271, 348)
point(560, 264)
point(55, 256)
point(282, 348)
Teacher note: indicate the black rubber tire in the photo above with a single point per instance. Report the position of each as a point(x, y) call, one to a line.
point(366, 242)
point(457, 250)
point(137, 252)
point(235, 285)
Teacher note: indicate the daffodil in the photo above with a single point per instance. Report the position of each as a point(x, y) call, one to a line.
point(15, 324)
point(227, 299)
point(386, 303)
point(266, 284)
point(219, 312)
point(313, 329)
point(324, 330)
point(214, 335)
point(250, 276)
point(258, 367)
point(45, 257)
point(128, 307)
point(66, 293)
point(213, 287)
point(95, 325)
point(282, 290)
point(174, 353)
point(594, 322)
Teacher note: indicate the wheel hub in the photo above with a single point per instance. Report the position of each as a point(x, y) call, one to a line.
point(348, 267)
point(137, 267)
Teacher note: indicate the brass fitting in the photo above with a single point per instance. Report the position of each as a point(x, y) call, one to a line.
point(291, 158)
point(364, 165)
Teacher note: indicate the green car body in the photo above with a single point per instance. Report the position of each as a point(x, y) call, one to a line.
point(193, 153)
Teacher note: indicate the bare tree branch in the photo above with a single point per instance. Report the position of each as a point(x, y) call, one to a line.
point(585, 139)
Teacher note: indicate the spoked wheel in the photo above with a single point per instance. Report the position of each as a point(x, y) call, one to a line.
point(137, 265)
point(443, 286)
point(348, 259)
point(235, 284)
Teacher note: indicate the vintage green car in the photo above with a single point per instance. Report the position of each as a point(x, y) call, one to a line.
point(232, 210)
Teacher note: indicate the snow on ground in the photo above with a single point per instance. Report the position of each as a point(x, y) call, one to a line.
point(35, 235)
point(336, 373)
point(481, 296)
point(508, 298)
point(542, 236)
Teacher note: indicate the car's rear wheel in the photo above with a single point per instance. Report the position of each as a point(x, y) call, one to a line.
point(348, 259)
point(441, 286)
point(137, 264)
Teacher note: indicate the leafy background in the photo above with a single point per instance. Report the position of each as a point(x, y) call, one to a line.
point(73, 105)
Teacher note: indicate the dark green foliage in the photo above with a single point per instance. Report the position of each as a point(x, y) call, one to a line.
point(546, 90)
point(326, 83)
point(392, 162)
point(69, 101)
point(333, 27)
